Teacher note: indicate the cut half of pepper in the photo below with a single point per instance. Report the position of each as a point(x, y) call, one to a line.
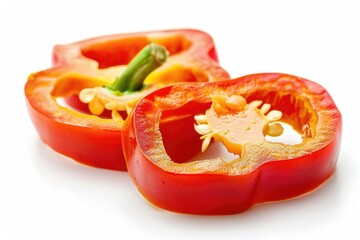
point(238, 114)
point(92, 135)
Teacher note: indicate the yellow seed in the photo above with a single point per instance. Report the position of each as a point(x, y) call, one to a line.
point(235, 103)
point(200, 119)
point(87, 95)
point(274, 130)
point(221, 99)
point(255, 103)
point(110, 105)
point(274, 115)
point(205, 144)
point(219, 109)
point(265, 108)
point(96, 107)
point(202, 129)
point(219, 104)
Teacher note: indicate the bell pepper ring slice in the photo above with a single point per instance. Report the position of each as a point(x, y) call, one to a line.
point(70, 128)
point(159, 149)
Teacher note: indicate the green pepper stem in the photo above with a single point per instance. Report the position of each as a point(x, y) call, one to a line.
point(147, 60)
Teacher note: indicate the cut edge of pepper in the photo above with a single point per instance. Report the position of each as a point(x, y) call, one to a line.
point(316, 136)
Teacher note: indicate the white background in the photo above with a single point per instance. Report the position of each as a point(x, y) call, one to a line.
point(46, 196)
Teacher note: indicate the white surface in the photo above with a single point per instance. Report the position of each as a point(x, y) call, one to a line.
point(46, 196)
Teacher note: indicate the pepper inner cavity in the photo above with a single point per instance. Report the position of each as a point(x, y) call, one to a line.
point(234, 122)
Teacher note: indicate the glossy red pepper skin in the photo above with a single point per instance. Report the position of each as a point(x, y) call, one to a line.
point(96, 141)
point(157, 151)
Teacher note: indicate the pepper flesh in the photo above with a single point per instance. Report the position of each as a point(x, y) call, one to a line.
point(158, 159)
point(96, 140)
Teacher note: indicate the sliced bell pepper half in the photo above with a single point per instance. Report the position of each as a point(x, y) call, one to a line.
point(239, 114)
point(91, 134)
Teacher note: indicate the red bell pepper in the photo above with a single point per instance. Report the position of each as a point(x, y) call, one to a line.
point(90, 136)
point(236, 113)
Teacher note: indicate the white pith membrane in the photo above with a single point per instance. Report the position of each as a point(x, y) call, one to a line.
point(234, 122)
point(100, 99)
point(253, 154)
